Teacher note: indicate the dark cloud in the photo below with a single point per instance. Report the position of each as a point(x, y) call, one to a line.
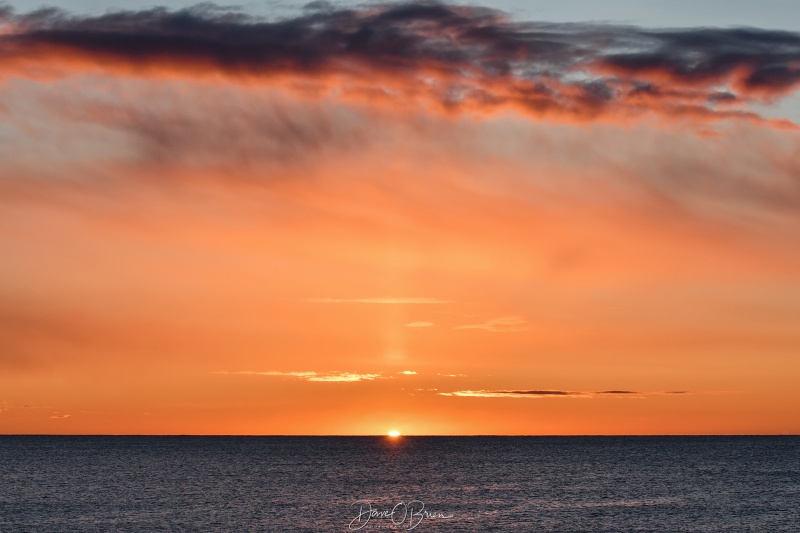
point(540, 393)
point(568, 393)
point(478, 56)
point(713, 55)
point(537, 392)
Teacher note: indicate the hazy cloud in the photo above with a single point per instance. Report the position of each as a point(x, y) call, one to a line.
point(378, 301)
point(420, 324)
point(506, 323)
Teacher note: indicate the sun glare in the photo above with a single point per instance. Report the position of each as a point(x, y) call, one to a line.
point(394, 433)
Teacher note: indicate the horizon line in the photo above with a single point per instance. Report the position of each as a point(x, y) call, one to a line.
point(383, 435)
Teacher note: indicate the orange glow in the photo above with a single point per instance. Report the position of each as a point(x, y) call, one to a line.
point(187, 250)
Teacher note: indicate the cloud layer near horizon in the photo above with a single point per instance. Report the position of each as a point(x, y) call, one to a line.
point(457, 57)
point(308, 375)
point(549, 393)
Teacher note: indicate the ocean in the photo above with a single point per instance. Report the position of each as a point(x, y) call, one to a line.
point(276, 484)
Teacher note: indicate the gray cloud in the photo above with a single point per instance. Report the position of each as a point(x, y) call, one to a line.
point(478, 56)
point(547, 393)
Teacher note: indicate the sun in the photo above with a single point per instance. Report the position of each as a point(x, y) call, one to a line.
point(394, 433)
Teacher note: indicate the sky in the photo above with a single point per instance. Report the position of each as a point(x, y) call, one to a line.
point(534, 218)
point(770, 14)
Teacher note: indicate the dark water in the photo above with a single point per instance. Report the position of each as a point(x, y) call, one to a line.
point(525, 484)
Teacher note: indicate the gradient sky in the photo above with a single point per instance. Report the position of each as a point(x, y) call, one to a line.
point(434, 218)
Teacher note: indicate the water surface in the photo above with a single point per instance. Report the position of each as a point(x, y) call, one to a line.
point(525, 484)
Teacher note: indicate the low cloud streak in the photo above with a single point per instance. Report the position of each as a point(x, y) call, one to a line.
point(310, 376)
point(502, 324)
point(399, 301)
point(547, 393)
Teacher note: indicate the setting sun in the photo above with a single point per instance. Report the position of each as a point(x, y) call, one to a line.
point(394, 433)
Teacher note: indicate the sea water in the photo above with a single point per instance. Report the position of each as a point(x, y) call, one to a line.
point(275, 484)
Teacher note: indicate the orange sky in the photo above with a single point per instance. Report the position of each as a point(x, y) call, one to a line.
point(184, 253)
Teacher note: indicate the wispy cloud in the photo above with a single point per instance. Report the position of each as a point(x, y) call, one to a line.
point(378, 301)
point(420, 324)
point(58, 417)
point(506, 323)
point(308, 376)
point(548, 393)
point(317, 376)
point(344, 376)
